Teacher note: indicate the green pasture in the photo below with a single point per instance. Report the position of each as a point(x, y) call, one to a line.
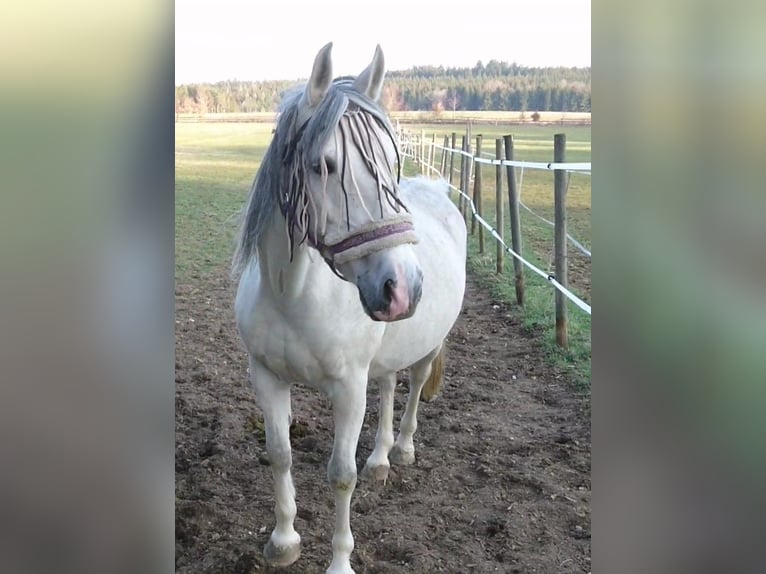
point(216, 162)
point(215, 166)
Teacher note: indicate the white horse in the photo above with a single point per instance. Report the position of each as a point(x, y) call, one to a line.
point(346, 276)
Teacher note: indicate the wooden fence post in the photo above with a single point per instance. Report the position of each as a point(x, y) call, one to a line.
point(479, 199)
point(432, 153)
point(499, 203)
point(461, 187)
point(451, 161)
point(443, 165)
point(414, 149)
point(513, 206)
point(422, 152)
point(468, 170)
point(477, 195)
point(560, 237)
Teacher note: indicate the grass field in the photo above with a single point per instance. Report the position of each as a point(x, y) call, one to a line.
point(215, 166)
point(216, 163)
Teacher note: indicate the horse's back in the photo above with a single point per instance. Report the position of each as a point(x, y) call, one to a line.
point(434, 211)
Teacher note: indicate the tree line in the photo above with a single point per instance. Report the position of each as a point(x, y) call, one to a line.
point(496, 86)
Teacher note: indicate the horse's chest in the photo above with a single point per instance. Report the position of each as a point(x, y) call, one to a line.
point(297, 351)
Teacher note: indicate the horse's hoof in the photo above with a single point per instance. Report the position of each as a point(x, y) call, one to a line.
point(281, 556)
point(377, 473)
point(399, 456)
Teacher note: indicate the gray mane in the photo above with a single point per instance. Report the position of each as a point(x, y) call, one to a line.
point(281, 181)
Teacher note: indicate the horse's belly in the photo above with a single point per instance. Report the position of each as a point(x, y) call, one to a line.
point(403, 344)
point(441, 252)
point(406, 342)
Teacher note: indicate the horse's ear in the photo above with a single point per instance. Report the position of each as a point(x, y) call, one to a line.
point(370, 81)
point(321, 76)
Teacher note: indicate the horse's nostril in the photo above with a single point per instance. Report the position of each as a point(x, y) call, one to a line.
point(388, 290)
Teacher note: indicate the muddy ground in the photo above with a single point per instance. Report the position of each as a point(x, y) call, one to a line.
point(501, 482)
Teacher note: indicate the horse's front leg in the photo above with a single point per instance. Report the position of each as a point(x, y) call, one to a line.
point(273, 397)
point(348, 400)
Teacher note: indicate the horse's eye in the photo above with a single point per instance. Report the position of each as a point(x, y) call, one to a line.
point(317, 167)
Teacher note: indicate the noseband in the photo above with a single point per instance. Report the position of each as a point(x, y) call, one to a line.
point(338, 249)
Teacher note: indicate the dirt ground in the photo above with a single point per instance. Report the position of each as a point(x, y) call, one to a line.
point(501, 482)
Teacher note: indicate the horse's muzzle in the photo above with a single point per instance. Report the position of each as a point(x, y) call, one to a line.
point(392, 295)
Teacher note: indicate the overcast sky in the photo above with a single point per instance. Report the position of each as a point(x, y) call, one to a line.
point(278, 39)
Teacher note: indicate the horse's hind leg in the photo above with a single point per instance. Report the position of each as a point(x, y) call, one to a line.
point(403, 451)
point(377, 463)
point(273, 397)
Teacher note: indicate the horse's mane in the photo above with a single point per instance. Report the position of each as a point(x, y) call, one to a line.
point(281, 181)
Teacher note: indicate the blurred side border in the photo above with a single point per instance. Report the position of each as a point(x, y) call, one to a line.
point(679, 372)
point(87, 287)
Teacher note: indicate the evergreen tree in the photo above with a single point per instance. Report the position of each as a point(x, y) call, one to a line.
point(494, 86)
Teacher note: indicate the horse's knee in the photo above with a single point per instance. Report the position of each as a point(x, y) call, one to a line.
point(280, 457)
point(341, 474)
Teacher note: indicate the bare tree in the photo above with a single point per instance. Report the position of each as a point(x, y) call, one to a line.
point(452, 100)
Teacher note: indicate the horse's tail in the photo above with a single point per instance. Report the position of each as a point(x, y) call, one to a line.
point(436, 378)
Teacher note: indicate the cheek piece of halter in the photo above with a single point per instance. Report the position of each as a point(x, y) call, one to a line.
point(341, 247)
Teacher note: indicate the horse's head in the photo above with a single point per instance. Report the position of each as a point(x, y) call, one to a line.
point(339, 187)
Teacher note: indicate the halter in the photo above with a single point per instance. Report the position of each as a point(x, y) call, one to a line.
point(375, 236)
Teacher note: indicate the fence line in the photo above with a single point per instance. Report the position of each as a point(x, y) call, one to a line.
point(570, 168)
point(547, 276)
point(584, 250)
point(409, 150)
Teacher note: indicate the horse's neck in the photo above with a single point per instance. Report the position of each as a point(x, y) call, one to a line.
point(287, 278)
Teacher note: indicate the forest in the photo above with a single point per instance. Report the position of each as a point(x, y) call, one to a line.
point(496, 86)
